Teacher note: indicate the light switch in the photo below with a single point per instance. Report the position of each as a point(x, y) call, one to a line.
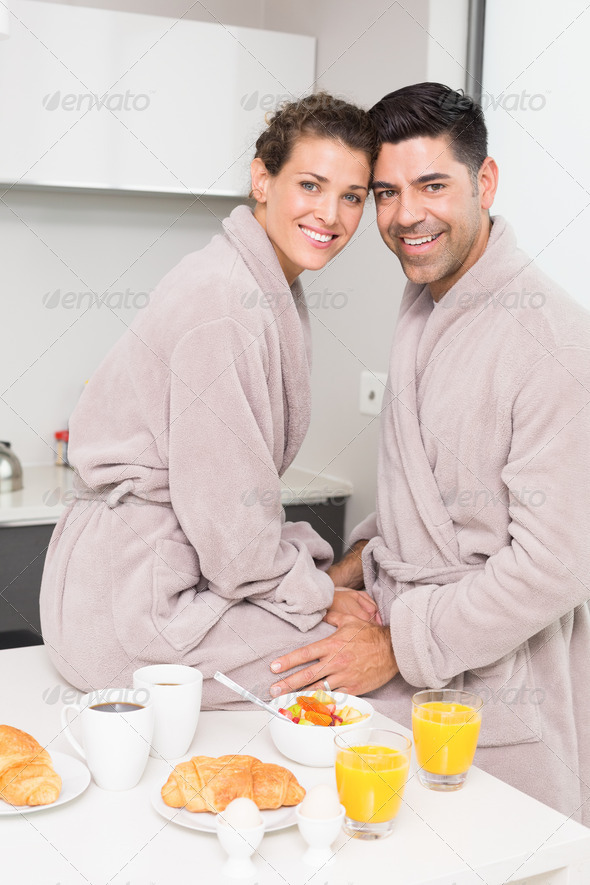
point(372, 390)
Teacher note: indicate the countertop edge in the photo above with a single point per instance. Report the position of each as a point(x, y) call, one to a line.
point(48, 490)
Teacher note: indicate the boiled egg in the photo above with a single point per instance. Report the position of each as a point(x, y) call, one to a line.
point(320, 803)
point(241, 814)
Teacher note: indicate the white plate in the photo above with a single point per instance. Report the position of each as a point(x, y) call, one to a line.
point(204, 821)
point(75, 778)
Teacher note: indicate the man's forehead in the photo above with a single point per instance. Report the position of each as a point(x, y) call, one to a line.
point(415, 158)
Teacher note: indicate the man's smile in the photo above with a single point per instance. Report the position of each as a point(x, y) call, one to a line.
point(418, 245)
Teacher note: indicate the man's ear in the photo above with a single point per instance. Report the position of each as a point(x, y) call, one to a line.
point(260, 177)
point(487, 179)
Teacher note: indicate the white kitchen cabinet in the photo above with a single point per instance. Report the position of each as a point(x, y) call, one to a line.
point(92, 98)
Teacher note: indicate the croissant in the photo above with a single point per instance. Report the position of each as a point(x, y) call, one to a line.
point(27, 776)
point(205, 783)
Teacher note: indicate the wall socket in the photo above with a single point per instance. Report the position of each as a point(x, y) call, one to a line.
point(372, 389)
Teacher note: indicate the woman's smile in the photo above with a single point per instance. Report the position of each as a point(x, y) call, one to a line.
point(319, 239)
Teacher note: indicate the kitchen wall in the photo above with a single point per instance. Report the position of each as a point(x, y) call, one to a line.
point(245, 13)
point(372, 49)
point(59, 248)
point(540, 131)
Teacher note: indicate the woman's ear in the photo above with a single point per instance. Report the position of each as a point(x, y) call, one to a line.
point(260, 176)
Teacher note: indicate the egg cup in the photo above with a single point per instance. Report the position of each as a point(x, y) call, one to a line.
point(319, 835)
point(239, 845)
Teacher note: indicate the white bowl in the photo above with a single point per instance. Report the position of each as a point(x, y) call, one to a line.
point(313, 745)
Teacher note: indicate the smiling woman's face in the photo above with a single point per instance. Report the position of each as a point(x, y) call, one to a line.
point(313, 206)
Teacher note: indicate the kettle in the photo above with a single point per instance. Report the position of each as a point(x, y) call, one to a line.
point(11, 471)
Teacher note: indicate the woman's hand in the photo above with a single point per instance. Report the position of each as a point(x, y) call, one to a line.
point(357, 603)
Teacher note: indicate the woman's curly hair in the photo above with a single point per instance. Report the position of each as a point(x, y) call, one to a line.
point(320, 114)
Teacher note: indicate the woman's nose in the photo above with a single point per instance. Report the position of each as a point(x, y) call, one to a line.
point(327, 211)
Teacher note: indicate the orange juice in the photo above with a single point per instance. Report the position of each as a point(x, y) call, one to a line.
point(445, 736)
point(371, 781)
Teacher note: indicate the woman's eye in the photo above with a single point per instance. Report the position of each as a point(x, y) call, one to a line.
point(353, 198)
point(308, 185)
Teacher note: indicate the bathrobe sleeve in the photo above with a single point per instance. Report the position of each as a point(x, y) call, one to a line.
point(365, 530)
point(439, 631)
point(224, 483)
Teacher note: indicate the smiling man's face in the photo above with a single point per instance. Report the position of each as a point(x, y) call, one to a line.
point(429, 212)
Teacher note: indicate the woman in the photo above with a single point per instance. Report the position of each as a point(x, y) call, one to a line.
point(175, 549)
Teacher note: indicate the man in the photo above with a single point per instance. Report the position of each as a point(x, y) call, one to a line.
point(478, 557)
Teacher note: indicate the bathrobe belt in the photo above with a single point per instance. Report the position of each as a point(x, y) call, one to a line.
point(406, 573)
point(112, 495)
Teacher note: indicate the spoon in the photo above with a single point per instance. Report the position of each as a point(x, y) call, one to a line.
point(248, 696)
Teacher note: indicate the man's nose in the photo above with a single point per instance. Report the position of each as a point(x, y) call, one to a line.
point(408, 210)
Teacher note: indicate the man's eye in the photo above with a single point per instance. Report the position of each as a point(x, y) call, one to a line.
point(435, 188)
point(385, 195)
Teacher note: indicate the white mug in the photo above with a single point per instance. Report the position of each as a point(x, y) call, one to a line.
point(117, 726)
point(175, 691)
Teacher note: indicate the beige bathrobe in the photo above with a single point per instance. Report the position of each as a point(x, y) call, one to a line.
point(177, 549)
point(479, 557)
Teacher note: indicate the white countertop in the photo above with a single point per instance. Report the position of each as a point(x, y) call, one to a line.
point(485, 834)
point(48, 490)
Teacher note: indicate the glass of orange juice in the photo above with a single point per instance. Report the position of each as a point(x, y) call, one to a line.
point(445, 723)
point(372, 766)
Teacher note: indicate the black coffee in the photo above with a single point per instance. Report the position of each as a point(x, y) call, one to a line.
point(116, 707)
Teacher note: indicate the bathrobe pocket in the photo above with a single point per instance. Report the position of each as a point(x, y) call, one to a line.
point(176, 573)
point(511, 700)
point(183, 607)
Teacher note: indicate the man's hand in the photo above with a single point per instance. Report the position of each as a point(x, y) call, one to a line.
point(356, 658)
point(349, 571)
point(357, 603)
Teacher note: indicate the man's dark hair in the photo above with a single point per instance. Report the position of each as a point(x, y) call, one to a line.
point(431, 110)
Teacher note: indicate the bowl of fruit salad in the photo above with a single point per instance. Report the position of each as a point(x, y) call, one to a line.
point(312, 721)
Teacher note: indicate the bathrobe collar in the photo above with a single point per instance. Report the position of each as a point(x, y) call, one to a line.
point(425, 328)
point(501, 261)
point(288, 310)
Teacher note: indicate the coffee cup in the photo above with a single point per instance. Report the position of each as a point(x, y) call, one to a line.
point(117, 726)
point(175, 691)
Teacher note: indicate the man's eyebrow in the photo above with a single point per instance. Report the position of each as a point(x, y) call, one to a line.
point(423, 179)
point(323, 179)
point(431, 176)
